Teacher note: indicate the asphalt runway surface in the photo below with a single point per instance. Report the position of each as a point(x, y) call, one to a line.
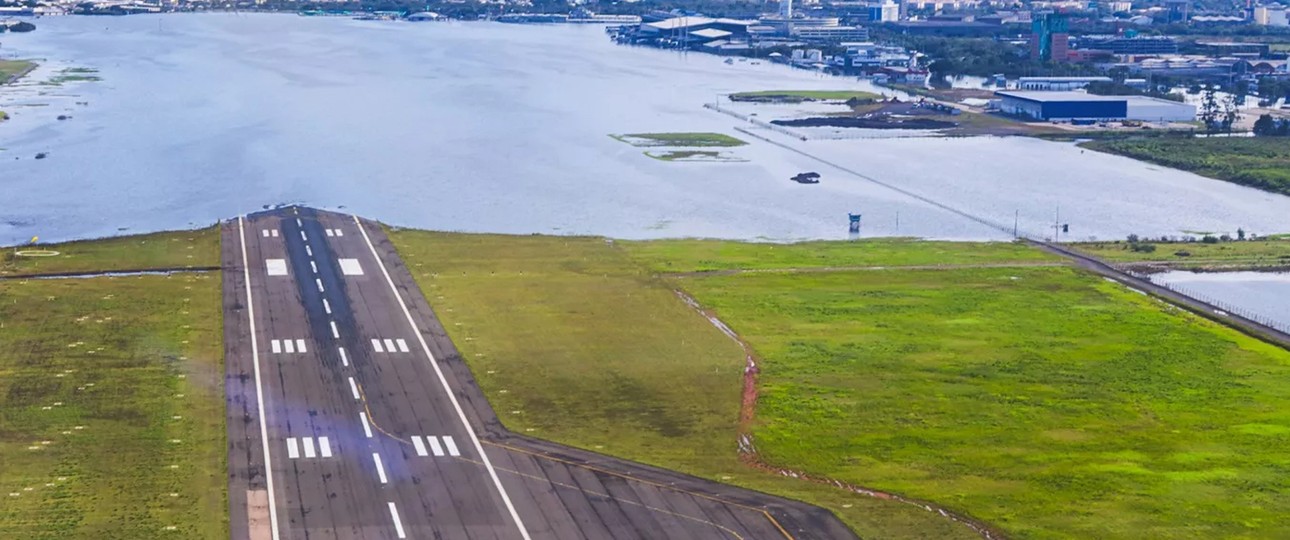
point(351, 415)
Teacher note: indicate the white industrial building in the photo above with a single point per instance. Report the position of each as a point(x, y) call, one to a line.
point(1081, 106)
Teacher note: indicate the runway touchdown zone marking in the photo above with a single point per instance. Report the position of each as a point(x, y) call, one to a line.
point(289, 346)
point(390, 345)
point(432, 443)
point(305, 446)
point(275, 267)
point(350, 267)
point(269, 232)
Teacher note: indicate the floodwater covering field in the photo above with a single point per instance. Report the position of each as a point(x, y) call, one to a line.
point(504, 128)
point(1263, 294)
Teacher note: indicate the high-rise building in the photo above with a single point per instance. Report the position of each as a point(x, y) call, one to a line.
point(786, 9)
point(1049, 37)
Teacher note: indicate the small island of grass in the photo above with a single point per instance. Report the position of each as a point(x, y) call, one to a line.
point(12, 70)
point(799, 96)
point(679, 139)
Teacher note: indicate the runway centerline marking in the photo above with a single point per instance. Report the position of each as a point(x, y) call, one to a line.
point(334, 333)
point(398, 524)
point(318, 281)
point(443, 380)
point(353, 387)
point(309, 251)
point(344, 360)
point(367, 428)
point(259, 387)
point(326, 306)
point(380, 469)
point(303, 237)
point(314, 266)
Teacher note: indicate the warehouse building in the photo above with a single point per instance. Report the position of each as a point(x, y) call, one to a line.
point(1082, 106)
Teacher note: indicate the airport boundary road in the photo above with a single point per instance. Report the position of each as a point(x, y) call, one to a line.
point(352, 415)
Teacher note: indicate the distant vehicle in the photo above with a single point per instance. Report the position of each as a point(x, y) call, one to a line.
point(807, 178)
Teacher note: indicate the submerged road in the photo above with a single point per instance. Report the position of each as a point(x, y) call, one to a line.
point(351, 415)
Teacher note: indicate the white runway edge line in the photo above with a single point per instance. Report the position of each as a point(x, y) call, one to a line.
point(461, 415)
point(398, 524)
point(380, 469)
point(259, 386)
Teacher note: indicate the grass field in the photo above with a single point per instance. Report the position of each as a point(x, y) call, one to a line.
point(574, 342)
point(665, 256)
point(679, 139)
point(112, 409)
point(1269, 252)
point(175, 249)
point(803, 95)
point(1258, 162)
point(14, 68)
point(1045, 401)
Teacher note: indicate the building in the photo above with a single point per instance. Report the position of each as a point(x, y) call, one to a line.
point(1230, 48)
point(829, 34)
point(886, 11)
point(1049, 37)
point(1271, 16)
point(1129, 44)
point(1066, 106)
point(1057, 83)
point(870, 57)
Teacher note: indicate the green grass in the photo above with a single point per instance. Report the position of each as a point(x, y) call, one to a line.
point(574, 342)
point(1045, 401)
point(95, 438)
point(665, 256)
point(709, 156)
point(1273, 251)
point(804, 95)
point(175, 249)
point(14, 68)
point(1258, 162)
point(679, 139)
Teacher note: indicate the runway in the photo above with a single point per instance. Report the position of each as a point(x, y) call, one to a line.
point(351, 415)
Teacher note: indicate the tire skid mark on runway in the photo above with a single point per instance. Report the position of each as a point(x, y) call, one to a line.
point(620, 500)
point(631, 478)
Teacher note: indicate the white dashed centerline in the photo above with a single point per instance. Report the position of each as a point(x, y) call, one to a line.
point(398, 524)
point(303, 237)
point(326, 306)
point(380, 469)
point(353, 388)
point(318, 281)
point(344, 360)
point(309, 251)
point(334, 333)
point(314, 266)
point(367, 428)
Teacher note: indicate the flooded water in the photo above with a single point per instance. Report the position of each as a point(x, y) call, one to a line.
point(1265, 295)
point(504, 128)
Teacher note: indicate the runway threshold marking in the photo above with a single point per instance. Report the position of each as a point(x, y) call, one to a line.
point(461, 414)
point(398, 524)
point(631, 478)
point(259, 387)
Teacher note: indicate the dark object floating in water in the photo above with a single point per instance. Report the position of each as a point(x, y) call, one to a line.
point(41, 155)
point(807, 178)
point(64, 117)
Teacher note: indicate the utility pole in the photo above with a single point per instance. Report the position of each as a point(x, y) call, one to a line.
point(1016, 216)
point(1057, 224)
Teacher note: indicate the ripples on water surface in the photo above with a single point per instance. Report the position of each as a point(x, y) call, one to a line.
point(502, 128)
